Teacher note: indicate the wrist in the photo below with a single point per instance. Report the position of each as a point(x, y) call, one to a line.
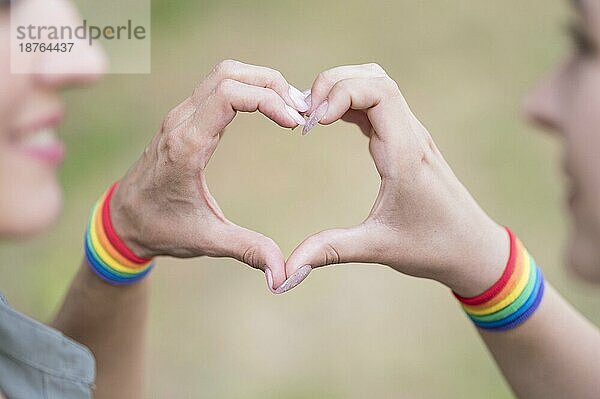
point(126, 224)
point(106, 253)
point(513, 298)
point(483, 259)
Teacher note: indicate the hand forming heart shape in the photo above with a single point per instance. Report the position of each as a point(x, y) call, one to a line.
point(163, 205)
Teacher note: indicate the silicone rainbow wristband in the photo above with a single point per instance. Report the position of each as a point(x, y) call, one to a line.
point(105, 258)
point(513, 298)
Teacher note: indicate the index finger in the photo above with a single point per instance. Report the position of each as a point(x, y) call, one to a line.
point(254, 75)
point(327, 79)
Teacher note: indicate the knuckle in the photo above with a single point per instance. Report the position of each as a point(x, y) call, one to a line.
point(250, 256)
point(225, 88)
point(269, 242)
point(343, 87)
point(271, 97)
point(389, 85)
point(322, 246)
point(375, 67)
point(170, 120)
point(177, 115)
point(324, 77)
point(171, 145)
point(276, 76)
point(226, 67)
point(266, 241)
point(332, 255)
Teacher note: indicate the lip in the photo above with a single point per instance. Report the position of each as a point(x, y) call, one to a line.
point(51, 153)
point(49, 120)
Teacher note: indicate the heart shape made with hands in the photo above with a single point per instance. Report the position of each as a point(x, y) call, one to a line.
point(419, 205)
point(310, 118)
point(247, 88)
point(172, 170)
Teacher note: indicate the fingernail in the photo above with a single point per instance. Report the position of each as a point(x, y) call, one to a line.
point(315, 117)
point(294, 279)
point(307, 98)
point(298, 99)
point(295, 115)
point(269, 276)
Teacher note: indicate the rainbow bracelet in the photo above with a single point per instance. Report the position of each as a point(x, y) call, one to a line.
point(513, 298)
point(106, 254)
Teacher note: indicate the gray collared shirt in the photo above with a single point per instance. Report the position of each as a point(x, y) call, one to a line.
point(37, 361)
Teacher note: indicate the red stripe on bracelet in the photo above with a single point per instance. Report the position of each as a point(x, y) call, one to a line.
point(112, 235)
point(501, 283)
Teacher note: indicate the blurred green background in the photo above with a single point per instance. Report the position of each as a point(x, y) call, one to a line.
point(350, 331)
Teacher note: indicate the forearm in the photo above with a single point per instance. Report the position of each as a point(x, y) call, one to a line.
point(554, 354)
point(111, 321)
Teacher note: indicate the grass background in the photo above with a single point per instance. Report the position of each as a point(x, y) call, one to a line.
point(350, 331)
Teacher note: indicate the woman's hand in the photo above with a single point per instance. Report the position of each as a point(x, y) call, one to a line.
point(162, 205)
point(424, 222)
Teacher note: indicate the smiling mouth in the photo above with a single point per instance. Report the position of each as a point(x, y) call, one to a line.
point(39, 140)
point(44, 145)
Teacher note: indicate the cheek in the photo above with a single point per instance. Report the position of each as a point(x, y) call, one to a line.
point(581, 121)
point(30, 197)
point(581, 124)
point(583, 255)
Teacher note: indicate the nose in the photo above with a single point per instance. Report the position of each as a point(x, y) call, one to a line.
point(84, 64)
point(87, 67)
point(542, 106)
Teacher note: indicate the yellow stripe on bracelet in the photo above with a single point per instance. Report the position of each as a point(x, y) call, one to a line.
point(103, 253)
point(510, 301)
point(105, 242)
point(106, 254)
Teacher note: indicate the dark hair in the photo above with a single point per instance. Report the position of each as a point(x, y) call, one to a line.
point(4, 3)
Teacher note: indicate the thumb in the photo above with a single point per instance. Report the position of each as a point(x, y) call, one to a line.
point(257, 251)
point(328, 247)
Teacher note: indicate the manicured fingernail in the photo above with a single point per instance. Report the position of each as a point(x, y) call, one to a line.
point(269, 276)
point(315, 117)
point(295, 115)
point(294, 279)
point(298, 99)
point(307, 97)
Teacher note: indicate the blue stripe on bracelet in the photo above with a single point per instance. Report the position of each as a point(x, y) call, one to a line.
point(527, 314)
point(521, 314)
point(107, 274)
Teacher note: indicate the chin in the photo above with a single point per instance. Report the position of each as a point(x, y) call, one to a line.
point(27, 213)
point(583, 256)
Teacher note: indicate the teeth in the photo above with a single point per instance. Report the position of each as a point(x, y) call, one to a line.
point(41, 138)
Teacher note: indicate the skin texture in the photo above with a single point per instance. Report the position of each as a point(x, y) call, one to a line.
point(162, 206)
point(422, 220)
point(421, 223)
point(565, 103)
point(30, 196)
point(183, 219)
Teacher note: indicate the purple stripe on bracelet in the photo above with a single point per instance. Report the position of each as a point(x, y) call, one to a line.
point(529, 311)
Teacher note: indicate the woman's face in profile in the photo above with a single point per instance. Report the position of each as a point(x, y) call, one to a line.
point(30, 112)
point(567, 102)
